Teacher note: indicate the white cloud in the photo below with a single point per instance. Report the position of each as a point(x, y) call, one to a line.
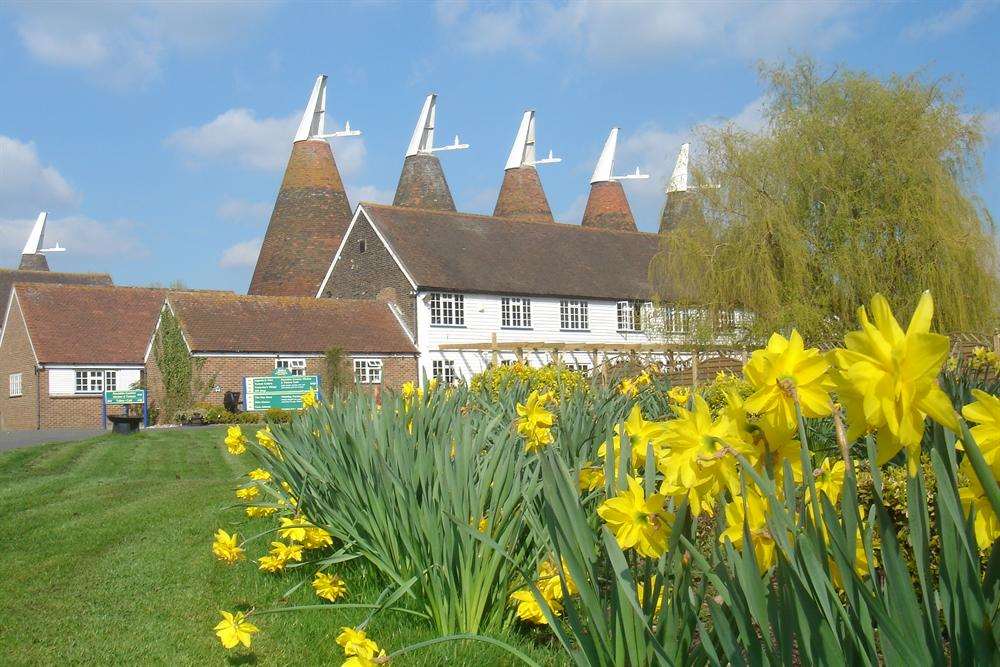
point(373, 193)
point(241, 255)
point(241, 210)
point(613, 32)
point(949, 21)
point(82, 236)
point(26, 184)
point(991, 123)
point(238, 136)
point(124, 44)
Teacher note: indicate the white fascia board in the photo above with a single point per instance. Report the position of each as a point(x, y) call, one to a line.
point(6, 323)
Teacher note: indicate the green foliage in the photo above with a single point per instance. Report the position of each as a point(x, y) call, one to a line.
point(857, 185)
point(339, 376)
point(722, 384)
point(180, 373)
point(277, 416)
point(498, 380)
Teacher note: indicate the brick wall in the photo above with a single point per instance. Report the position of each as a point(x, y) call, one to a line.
point(372, 274)
point(16, 357)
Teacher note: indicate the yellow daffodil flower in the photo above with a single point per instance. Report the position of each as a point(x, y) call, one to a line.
point(259, 474)
point(235, 441)
point(534, 422)
point(267, 441)
point(985, 412)
point(356, 642)
point(226, 547)
point(247, 492)
point(361, 661)
point(528, 609)
point(632, 386)
point(636, 521)
point(829, 479)
point(329, 586)
point(271, 564)
point(309, 399)
point(751, 508)
point(986, 523)
point(591, 477)
point(293, 529)
point(235, 629)
point(679, 395)
point(549, 583)
point(783, 365)
point(641, 594)
point(286, 552)
point(316, 538)
point(255, 512)
point(701, 460)
point(641, 434)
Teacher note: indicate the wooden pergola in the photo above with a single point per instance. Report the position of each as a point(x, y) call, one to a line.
point(696, 352)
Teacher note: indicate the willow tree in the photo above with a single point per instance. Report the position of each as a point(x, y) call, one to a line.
point(855, 186)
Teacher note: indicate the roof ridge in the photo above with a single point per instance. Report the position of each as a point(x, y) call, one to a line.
point(508, 221)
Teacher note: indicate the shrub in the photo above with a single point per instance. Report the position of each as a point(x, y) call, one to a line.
point(496, 380)
point(277, 416)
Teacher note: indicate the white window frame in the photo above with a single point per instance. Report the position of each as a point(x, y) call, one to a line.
point(726, 321)
point(515, 312)
point(630, 316)
point(677, 320)
point(447, 309)
point(95, 381)
point(15, 385)
point(295, 366)
point(443, 370)
point(574, 315)
point(368, 371)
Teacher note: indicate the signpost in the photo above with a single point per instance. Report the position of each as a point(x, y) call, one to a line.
point(125, 397)
point(277, 391)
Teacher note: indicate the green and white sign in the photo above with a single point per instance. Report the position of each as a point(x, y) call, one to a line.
point(125, 397)
point(278, 391)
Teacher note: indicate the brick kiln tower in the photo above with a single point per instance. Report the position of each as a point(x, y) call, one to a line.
point(32, 257)
point(681, 202)
point(607, 206)
point(422, 183)
point(521, 194)
point(311, 212)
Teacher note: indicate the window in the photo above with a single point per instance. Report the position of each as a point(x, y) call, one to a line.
point(443, 371)
point(362, 246)
point(725, 320)
point(677, 320)
point(447, 309)
point(368, 371)
point(630, 316)
point(573, 315)
point(515, 312)
point(579, 368)
point(15, 385)
point(95, 382)
point(293, 366)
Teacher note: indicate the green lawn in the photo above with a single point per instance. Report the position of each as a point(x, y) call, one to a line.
point(107, 559)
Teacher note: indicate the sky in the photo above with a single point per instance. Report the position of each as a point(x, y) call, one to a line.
point(156, 134)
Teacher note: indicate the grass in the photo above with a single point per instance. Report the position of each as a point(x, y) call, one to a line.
point(107, 559)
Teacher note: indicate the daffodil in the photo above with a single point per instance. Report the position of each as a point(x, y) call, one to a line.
point(887, 379)
point(641, 594)
point(361, 661)
point(750, 508)
point(235, 441)
point(309, 399)
point(641, 434)
point(530, 611)
point(986, 523)
point(632, 386)
point(329, 586)
point(235, 629)
point(247, 492)
point(860, 565)
point(549, 582)
point(293, 529)
point(701, 460)
point(286, 552)
point(591, 477)
point(316, 538)
point(226, 547)
point(828, 478)
point(777, 444)
point(679, 395)
point(356, 642)
point(985, 412)
point(266, 440)
point(638, 522)
point(534, 422)
point(257, 512)
point(784, 370)
point(259, 474)
point(271, 564)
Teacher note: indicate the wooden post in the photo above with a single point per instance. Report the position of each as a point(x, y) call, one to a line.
point(494, 355)
point(519, 353)
point(694, 367)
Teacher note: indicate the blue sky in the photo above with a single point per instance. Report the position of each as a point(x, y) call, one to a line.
point(156, 134)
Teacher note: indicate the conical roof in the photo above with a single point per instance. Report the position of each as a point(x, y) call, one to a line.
point(522, 197)
point(311, 212)
point(32, 258)
point(422, 184)
point(680, 202)
point(607, 207)
point(33, 262)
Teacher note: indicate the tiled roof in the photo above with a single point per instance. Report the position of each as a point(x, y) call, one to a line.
point(214, 322)
point(87, 324)
point(311, 214)
point(422, 184)
point(607, 207)
point(10, 276)
point(477, 253)
point(522, 197)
